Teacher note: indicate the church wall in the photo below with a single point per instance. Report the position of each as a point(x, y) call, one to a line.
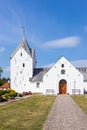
point(73, 77)
point(36, 87)
point(85, 86)
point(21, 70)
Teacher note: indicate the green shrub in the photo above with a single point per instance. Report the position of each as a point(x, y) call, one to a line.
point(10, 90)
point(2, 99)
point(13, 94)
point(7, 95)
point(2, 92)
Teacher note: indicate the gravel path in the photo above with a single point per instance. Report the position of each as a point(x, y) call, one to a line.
point(66, 115)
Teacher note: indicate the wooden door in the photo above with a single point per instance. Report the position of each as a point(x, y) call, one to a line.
point(62, 87)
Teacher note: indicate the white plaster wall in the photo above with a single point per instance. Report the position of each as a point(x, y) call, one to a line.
point(34, 88)
point(73, 77)
point(20, 75)
point(85, 86)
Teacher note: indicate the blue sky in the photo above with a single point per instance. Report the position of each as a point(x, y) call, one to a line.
point(54, 28)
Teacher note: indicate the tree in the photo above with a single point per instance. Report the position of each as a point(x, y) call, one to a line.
point(1, 71)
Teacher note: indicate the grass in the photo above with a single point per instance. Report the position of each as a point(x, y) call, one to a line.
point(26, 114)
point(81, 100)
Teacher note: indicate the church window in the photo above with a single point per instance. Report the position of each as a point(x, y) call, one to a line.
point(38, 85)
point(62, 65)
point(62, 71)
point(20, 54)
point(23, 64)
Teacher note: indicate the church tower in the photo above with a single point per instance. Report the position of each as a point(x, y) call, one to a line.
point(22, 64)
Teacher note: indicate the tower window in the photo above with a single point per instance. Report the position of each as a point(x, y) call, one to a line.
point(20, 54)
point(62, 65)
point(62, 71)
point(23, 64)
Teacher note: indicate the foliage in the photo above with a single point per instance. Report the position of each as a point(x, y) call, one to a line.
point(26, 114)
point(2, 99)
point(81, 101)
point(2, 92)
point(24, 94)
point(6, 94)
point(27, 93)
point(0, 72)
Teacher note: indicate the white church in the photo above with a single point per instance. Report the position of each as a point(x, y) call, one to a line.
point(61, 78)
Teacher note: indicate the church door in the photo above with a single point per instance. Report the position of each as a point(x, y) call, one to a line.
point(62, 86)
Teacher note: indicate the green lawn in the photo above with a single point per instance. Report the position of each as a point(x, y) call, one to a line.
point(81, 100)
point(26, 114)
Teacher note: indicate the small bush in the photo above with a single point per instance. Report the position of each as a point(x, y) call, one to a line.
point(2, 99)
point(6, 96)
point(13, 94)
point(20, 94)
point(27, 93)
point(30, 93)
point(10, 91)
point(2, 92)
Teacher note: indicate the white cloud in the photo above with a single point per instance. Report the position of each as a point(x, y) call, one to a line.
point(80, 63)
point(2, 49)
point(64, 42)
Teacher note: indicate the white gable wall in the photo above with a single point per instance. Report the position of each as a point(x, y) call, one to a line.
point(20, 74)
point(73, 77)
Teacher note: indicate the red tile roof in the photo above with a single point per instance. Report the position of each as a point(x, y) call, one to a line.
point(5, 85)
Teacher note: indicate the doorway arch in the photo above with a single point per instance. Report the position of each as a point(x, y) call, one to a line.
point(62, 86)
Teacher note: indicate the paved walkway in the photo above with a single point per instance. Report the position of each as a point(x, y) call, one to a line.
point(66, 115)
